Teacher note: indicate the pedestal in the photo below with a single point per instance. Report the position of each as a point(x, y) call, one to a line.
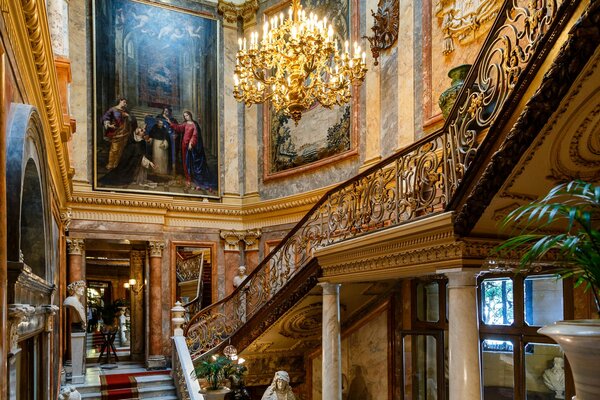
point(78, 357)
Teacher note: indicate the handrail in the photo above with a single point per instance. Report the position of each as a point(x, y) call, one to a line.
point(184, 376)
point(419, 180)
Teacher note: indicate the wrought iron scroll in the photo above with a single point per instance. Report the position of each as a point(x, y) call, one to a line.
point(385, 27)
point(417, 181)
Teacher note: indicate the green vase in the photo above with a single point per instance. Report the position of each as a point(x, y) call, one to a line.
point(448, 96)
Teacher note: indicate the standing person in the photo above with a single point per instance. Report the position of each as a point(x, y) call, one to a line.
point(160, 147)
point(193, 157)
point(166, 115)
point(118, 125)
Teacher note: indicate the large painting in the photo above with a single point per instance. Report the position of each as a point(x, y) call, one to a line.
point(323, 135)
point(156, 104)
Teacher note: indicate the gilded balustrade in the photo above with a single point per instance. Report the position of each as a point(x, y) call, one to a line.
point(417, 181)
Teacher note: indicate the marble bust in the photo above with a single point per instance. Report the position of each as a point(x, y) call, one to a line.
point(280, 388)
point(554, 378)
point(240, 277)
point(75, 303)
point(69, 393)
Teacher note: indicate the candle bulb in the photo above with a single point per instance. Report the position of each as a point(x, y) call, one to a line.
point(364, 57)
point(290, 11)
point(346, 47)
point(236, 80)
point(240, 43)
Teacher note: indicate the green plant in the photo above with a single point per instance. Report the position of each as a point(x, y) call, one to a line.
point(572, 212)
point(213, 369)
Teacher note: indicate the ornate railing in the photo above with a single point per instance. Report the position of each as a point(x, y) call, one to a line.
point(417, 181)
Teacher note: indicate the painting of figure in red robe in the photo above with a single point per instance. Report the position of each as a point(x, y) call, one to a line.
point(156, 120)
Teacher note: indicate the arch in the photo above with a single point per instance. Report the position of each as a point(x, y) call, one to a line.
point(29, 217)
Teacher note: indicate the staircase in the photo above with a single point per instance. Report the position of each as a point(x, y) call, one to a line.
point(431, 176)
point(145, 385)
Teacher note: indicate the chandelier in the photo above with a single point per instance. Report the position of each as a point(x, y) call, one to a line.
point(296, 64)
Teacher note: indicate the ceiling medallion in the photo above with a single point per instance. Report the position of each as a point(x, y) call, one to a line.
point(296, 64)
point(385, 28)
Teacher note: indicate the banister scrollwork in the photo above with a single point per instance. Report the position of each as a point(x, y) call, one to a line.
point(419, 180)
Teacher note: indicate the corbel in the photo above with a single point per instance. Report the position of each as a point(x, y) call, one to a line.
point(385, 28)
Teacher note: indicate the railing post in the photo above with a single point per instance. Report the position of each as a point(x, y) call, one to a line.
point(178, 320)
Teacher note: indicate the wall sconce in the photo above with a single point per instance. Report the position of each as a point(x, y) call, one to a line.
point(132, 284)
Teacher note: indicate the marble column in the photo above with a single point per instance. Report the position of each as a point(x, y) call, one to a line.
point(75, 248)
point(463, 342)
point(137, 302)
point(332, 347)
point(58, 23)
point(156, 360)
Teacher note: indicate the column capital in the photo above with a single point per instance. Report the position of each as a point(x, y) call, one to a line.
point(231, 11)
point(66, 216)
point(156, 248)
point(75, 246)
point(460, 277)
point(330, 288)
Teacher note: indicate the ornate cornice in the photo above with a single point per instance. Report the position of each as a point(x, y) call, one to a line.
point(233, 238)
point(232, 11)
point(156, 248)
point(33, 52)
point(75, 246)
point(576, 51)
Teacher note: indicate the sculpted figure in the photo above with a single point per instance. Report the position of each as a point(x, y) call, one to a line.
point(75, 303)
point(554, 378)
point(280, 388)
point(69, 393)
point(240, 277)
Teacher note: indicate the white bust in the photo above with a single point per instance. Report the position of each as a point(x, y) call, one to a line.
point(554, 378)
point(240, 277)
point(75, 302)
point(69, 393)
point(280, 388)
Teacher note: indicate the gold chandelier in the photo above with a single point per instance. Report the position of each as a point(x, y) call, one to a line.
point(296, 64)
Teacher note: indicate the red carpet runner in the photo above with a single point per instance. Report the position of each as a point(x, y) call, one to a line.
point(122, 386)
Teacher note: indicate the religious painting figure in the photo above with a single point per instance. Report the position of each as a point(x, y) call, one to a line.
point(193, 157)
point(160, 147)
point(75, 303)
point(117, 124)
point(280, 388)
point(134, 164)
point(166, 115)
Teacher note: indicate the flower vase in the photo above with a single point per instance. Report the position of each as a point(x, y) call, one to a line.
point(448, 96)
point(580, 340)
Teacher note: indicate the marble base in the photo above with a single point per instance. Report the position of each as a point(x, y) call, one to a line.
point(78, 357)
point(156, 362)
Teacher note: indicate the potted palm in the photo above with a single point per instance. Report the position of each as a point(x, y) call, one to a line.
point(213, 369)
point(571, 213)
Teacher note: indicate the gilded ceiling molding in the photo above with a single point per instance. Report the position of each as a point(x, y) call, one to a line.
point(574, 54)
point(463, 21)
point(385, 28)
point(36, 55)
point(232, 11)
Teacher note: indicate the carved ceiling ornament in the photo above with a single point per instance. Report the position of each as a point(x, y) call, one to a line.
point(304, 323)
point(232, 11)
point(385, 28)
point(463, 20)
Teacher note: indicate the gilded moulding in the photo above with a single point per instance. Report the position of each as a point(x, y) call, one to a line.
point(33, 52)
point(232, 11)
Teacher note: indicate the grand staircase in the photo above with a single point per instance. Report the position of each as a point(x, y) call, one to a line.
point(129, 381)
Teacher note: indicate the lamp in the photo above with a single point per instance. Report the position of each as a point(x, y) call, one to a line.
point(296, 64)
point(132, 284)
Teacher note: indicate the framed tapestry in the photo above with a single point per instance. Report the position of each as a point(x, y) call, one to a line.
point(156, 113)
point(323, 135)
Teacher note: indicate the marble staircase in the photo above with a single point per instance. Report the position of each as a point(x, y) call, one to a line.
point(148, 387)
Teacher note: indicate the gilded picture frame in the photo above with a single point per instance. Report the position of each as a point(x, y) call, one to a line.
point(156, 102)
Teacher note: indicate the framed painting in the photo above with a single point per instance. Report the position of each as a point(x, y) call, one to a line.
point(156, 113)
point(323, 135)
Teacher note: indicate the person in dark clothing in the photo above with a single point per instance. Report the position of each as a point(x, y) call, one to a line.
point(160, 147)
point(134, 164)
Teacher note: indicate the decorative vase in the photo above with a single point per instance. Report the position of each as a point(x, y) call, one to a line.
point(580, 340)
point(448, 96)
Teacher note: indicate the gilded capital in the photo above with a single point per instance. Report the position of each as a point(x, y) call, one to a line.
point(66, 215)
point(232, 239)
point(75, 246)
point(232, 11)
point(156, 248)
point(250, 238)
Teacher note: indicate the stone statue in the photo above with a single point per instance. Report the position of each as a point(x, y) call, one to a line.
point(554, 378)
point(240, 277)
point(69, 393)
point(75, 303)
point(280, 388)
